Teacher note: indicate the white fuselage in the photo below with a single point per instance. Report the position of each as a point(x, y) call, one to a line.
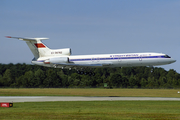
point(114, 60)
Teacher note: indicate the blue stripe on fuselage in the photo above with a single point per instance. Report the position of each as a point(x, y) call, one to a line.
point(114, 58)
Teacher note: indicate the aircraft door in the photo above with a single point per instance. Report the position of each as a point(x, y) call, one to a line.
point(92, 59)
point(119, 58)
point(140, 58)
point(98, 59)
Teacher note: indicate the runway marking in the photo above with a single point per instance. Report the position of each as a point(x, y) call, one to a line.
point(70, 98)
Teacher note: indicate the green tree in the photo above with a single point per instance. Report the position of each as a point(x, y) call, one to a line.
point(1, 80)
point(133, 83)
point(170, 75)
point(64, 78)
point(7, 78)
point(150, 82)
point(162, 81)
point(28, 79)
point(84, 81)
point(75, 78)
point(19, 81)
point(52, 79)
point(143, 83)
point(116, 80)
point(124, 82)
point(175, 83)
point(99, 80)
point(39, 78)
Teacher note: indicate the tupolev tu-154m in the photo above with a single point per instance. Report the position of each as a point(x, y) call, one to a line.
point(62, 58)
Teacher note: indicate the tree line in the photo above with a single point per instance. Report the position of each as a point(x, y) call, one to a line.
point(33, 76)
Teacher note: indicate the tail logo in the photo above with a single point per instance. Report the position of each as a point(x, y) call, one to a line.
point(39, 45)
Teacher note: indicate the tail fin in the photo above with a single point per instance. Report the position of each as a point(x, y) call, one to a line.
point(40, 50)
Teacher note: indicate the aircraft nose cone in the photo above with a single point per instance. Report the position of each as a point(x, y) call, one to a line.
point(173, 60)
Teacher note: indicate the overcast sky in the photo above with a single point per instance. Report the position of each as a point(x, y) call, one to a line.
point(91, 27)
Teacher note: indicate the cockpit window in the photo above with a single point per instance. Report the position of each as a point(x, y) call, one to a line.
point(166, 56)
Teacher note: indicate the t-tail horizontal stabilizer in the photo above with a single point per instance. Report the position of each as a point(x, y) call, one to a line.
point(28, 39)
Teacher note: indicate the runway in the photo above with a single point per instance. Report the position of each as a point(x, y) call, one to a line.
point(70, 98)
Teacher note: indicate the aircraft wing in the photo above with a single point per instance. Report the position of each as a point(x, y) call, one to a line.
point(84, 65)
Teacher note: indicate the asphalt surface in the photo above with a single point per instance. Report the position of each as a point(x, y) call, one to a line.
point(69, 98)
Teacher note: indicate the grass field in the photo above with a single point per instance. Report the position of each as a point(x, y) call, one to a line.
point(90, 92)
point(92, 110)
point(99, 110)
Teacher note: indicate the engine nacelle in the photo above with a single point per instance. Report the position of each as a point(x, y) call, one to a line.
point(57, 60)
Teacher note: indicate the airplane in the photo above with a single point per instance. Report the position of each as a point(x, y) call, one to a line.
point(62, 58)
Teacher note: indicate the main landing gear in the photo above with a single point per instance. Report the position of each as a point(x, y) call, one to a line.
point(85, 71)
point(81, 71)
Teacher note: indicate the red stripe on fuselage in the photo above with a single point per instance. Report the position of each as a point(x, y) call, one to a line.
point(39, 45)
